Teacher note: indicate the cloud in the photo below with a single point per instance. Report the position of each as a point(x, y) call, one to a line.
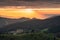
point(50, 15)
point(31, 3)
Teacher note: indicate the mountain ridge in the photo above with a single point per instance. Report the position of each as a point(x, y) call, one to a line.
point(33, 24)
point(8, 21)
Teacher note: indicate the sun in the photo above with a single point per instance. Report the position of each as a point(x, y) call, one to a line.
point(29, 11)
point(26, 11)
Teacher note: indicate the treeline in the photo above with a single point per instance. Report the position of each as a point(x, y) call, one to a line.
point(28, 36)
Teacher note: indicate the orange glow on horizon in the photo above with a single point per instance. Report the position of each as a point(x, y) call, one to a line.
point(29, 13)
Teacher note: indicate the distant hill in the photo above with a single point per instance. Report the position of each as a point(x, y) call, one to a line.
point(56, 26)
point(7, 21)
point(26, 25)
point(33, 24)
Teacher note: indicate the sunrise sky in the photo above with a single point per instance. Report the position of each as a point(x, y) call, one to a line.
point(30, 9)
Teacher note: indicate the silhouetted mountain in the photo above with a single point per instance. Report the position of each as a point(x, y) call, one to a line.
point(26, 25)
point(7, 21)
point(33, 24)
point(50, 22)
point(55, 27)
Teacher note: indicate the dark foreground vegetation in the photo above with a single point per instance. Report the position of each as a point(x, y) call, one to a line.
point(29, 36)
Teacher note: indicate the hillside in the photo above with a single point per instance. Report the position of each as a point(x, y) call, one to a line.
point(7, 21)
point(32, 24)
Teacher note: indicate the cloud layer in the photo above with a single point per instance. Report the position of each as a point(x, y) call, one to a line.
point(31, 3)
